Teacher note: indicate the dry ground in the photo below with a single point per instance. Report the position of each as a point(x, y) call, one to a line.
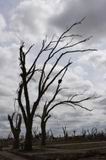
point(72, 151)
point(3, 158)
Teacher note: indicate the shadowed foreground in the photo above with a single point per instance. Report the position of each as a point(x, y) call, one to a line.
point(6, 155)
point(3, 158)
point(75, 151)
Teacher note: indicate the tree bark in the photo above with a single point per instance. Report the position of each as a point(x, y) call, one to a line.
point(15, 130)
point(28, 138)
point(16, 142)
point(43, 133)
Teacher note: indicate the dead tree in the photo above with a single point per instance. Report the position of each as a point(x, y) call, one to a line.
point(53, 103)
point(15, 121)
point(55, 48)
point(84, 132)
point(48, 107)
point(65, 133)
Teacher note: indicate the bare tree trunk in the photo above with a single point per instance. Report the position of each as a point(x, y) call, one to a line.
point(15, 129)
point(28, 137)
point(28, 140)
point(16, 142)
point(43, 133)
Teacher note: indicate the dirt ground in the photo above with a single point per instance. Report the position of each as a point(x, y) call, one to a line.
point(75, 151)
point(3, 158)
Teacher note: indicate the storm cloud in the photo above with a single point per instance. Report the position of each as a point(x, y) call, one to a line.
point(72, 11)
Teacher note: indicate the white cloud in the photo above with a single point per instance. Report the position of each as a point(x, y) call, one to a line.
point(80, 71)
point(29, 19)
point(96, 59)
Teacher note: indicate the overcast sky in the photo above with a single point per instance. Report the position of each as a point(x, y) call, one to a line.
point(30, 21)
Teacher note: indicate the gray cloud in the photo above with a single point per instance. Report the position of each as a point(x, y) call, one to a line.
point(103, 102)
point(73, 10)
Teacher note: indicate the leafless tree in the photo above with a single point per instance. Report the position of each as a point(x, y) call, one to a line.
point(74, 133)
point(59, 47)
point(52, 104)
point(84, 132)
point(15, 121)
point(65, 132)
